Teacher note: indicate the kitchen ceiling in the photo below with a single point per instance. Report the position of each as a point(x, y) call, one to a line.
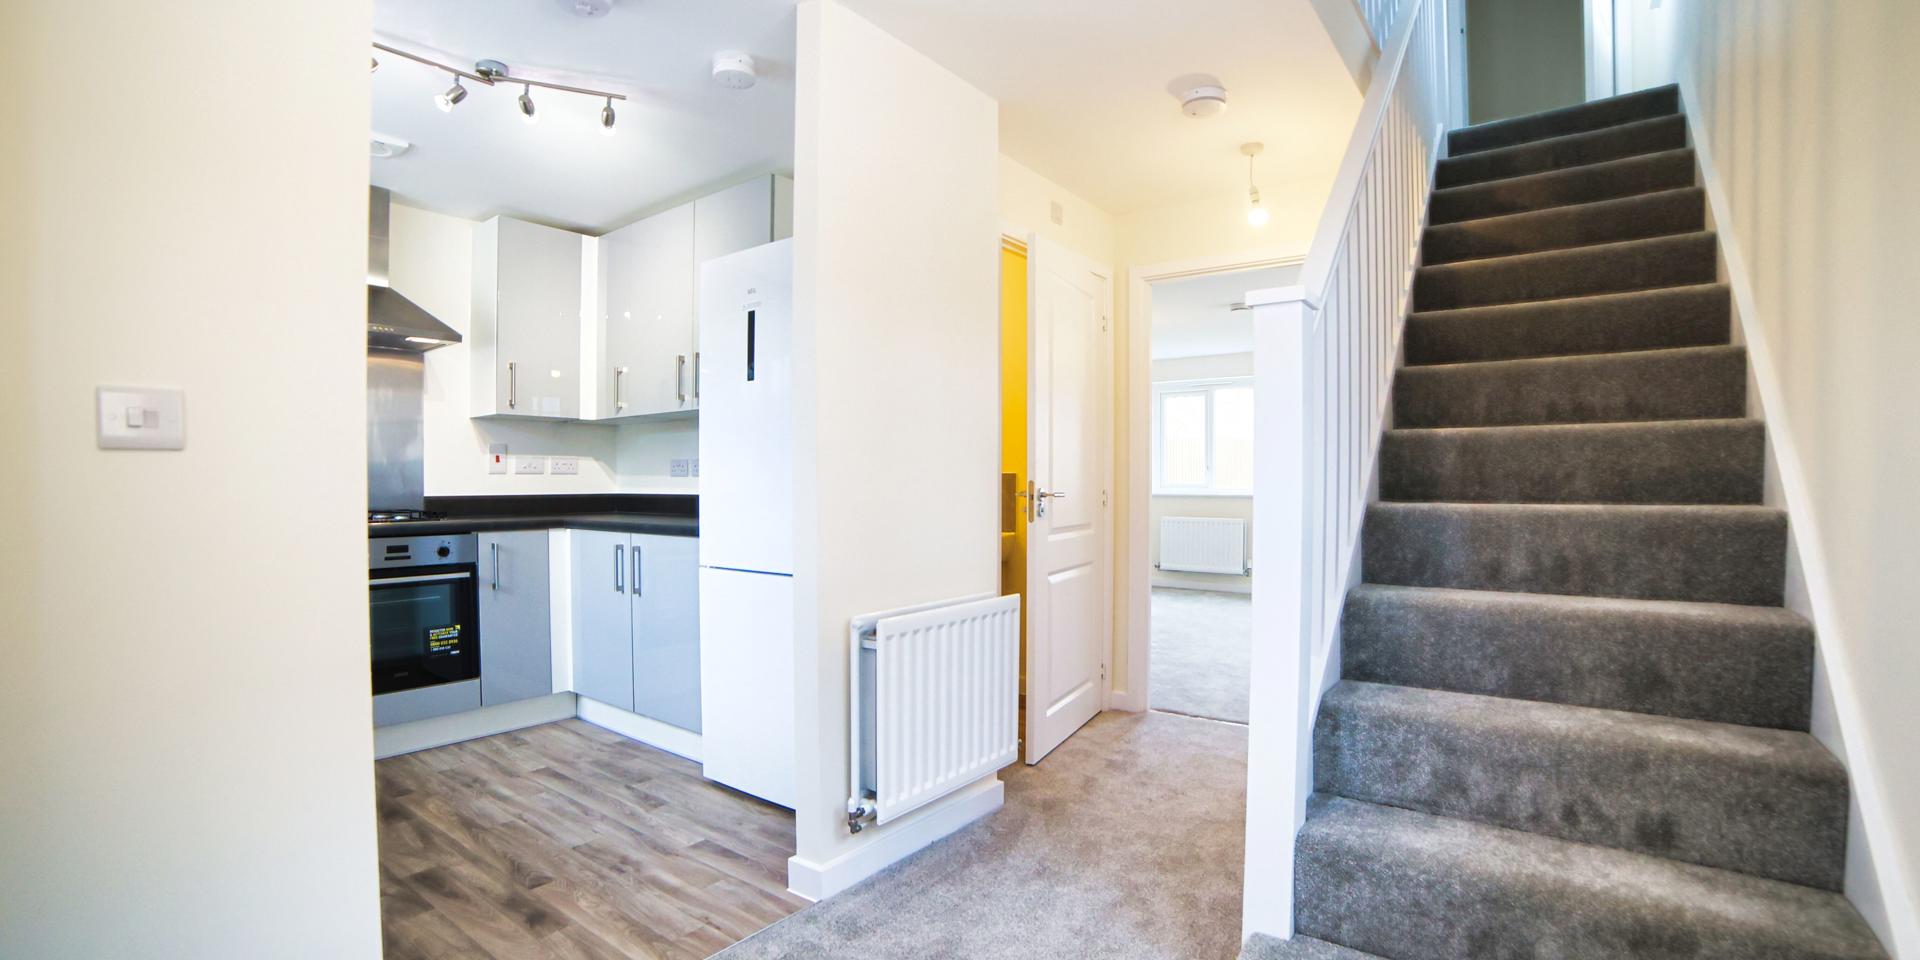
point(1193, 317)
point(1082, 86)
point(679, 134)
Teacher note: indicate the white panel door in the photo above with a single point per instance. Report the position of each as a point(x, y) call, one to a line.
point(1067, 636)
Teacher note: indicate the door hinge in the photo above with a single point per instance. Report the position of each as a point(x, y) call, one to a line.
point(1103, 324)
point(1103, 498)
point(1103, 671)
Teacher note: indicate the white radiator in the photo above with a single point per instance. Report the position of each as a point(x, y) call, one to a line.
point(935, 702)
point(1203, 545)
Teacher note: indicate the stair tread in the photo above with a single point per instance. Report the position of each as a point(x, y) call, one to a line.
point(1564, 152)
point(1558, 897)
point(1788, 752)
point(1589, 115)
point(1568, 186)
point(1572, 226)
point(1657, 263)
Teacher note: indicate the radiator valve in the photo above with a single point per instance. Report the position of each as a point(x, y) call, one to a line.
point(859, 813)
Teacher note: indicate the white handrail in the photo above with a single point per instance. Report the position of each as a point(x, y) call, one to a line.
point(1324, 358)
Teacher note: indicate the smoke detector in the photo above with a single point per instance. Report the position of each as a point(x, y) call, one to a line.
point(733, 70)
point(1203, 101)
point(586, 8)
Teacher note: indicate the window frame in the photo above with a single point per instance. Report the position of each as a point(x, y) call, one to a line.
point(1208, 386)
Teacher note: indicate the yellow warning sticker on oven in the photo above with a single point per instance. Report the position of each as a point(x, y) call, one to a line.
point(443, 639)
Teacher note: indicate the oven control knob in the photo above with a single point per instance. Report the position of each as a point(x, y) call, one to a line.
point(444, 550)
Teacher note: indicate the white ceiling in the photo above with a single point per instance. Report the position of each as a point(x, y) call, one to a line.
point(679, 135)
point(1083, 98)
point(1191, 317)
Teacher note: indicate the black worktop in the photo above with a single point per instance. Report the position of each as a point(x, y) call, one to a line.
point(674, 515)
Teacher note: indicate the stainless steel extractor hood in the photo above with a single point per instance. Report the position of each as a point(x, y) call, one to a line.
point(393, 321)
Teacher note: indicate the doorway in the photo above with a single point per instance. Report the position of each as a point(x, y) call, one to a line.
point(1194, 573)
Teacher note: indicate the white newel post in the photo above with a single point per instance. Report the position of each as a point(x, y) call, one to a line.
point(1279, 750)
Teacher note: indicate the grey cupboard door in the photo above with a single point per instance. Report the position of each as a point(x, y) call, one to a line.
point(602, 618)
point(666, 630)
point(516, 634)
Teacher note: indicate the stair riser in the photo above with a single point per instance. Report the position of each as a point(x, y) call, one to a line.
point(1609, 221)
point(1652, 320)
point(1613, 143)
point(1641, 265)
point(1731, 669)
point(1607, 388)
point(1602, 181)
point(1595, 115)
point(1553, 778)
point(1685, 462)
point(1350, 892)
point(1721, 556)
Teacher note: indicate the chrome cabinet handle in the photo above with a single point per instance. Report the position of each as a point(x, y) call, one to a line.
point(619, 388)
point(680, 377)
point(619, 569)
point(494, 547)
point(636, 569)
point(696, 376)
point(513, 384)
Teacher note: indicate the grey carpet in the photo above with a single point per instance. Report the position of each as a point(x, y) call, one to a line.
point(1123, 844)
point(1202, 643)
point(1572, 715)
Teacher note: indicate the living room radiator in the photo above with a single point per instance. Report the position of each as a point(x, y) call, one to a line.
point(1203, 545)
point(935, 702)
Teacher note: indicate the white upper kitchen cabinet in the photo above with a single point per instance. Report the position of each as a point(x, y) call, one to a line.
point(648, 270)
point(525, 337)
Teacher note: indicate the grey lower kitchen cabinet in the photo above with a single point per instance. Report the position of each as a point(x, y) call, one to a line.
point(636, 624)
point(516, 633)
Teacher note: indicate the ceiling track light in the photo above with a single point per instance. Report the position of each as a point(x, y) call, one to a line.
point(493, 72)
point(1256, 214)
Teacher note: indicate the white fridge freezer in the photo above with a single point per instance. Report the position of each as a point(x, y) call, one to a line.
point(745, 372)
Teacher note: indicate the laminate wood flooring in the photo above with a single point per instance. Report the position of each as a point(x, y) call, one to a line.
point(568, 842)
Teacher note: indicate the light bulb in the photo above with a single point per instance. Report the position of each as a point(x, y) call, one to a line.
point(1256, 215)
point(447, 101)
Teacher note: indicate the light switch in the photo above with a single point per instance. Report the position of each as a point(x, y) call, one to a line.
point(496, 458)
point(140, 418)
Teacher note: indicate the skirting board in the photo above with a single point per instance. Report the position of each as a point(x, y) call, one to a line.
point(647, 730)
point(1214, 582)
point(392, 741)
point(895, 841)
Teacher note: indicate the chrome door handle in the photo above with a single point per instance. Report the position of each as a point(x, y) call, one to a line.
point(1040, 499)
point(513, 383)
point(1056, 495)
point(494, 548)
point(619, 569)
point(680, 377)
point(636, 569)
point(619, 388)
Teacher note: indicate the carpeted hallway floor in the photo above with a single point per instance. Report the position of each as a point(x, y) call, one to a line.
point(1125, 842)
point(1201, 645)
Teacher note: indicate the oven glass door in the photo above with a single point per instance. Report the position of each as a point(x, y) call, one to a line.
point(424, 629)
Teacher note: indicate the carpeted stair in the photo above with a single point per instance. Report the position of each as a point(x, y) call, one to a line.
point(1573, 715)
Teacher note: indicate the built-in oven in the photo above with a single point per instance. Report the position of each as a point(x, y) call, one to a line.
point(425, 606)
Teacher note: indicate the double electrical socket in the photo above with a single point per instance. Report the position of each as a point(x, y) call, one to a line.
point(498, 463)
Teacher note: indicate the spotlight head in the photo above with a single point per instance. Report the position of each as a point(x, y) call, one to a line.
point(450, 99)
point(606, 118)
point(526, 105)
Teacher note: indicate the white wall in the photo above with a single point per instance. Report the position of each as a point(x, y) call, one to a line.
point(1524, 56)
point(1026, 206)
point(897, 377)
point(1168, 505)
point(186, 755)
point(1804, 116)
point(432, 264)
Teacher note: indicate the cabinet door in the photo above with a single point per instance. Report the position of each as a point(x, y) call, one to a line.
point(666, 630)
point(602, 618)
point(649, 274)
point(538, 335)
point(516, 637)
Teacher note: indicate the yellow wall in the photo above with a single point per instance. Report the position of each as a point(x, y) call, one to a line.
point(1013, 423)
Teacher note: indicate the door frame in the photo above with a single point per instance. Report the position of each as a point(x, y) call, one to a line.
point(1027, 240)
point(1138, 588)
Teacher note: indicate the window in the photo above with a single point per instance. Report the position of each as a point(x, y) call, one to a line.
point(1203, 437)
